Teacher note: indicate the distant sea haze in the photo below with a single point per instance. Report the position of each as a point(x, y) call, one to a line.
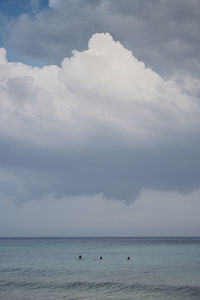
point(51, 268)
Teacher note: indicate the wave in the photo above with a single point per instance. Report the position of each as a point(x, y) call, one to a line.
point(193, 292)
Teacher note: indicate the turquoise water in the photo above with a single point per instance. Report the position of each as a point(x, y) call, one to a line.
point(49, 268)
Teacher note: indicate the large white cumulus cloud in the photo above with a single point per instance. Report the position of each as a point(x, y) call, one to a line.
point(101, 103)
point(102, 90)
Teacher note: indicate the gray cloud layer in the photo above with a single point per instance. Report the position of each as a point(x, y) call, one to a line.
point(31, 173)
point(163, 33)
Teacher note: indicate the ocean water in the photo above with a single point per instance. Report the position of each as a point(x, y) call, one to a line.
point(49, 268)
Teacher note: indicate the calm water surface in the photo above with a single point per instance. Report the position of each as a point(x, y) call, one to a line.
point(48, 268)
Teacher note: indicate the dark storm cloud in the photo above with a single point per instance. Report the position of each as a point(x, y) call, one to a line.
point(164, 34)
point(120, 173)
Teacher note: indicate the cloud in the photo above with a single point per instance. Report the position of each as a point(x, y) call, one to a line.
point(95, 216)
point(54, 3)
point(164, 34)
point(102, 123)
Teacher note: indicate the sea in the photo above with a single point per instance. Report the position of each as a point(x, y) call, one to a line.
point(50, 268)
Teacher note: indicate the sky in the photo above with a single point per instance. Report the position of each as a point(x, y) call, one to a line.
point(99, 118)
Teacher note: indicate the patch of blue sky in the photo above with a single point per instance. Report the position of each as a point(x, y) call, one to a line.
point(11, 9)
point(14, 8)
